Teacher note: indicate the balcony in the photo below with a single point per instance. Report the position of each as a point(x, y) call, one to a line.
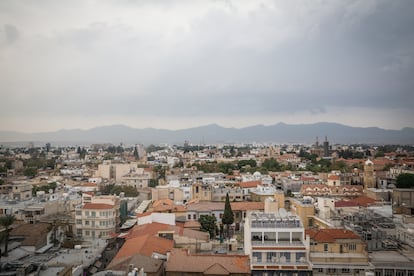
point(277, 243)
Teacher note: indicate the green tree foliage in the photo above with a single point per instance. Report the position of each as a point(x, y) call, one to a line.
point(130, 191)
point(271, 165)
point(45, 188)
point(152, 148)
point(242, 163)
point(228, 217)
point(405, 180)
point(153, 183)
point(6, 221)
point(208, 224)
point(30, 172)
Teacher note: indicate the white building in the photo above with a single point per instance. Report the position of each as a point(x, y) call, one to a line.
point(276, 242)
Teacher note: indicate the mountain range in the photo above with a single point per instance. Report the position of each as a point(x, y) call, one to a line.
point(212, 134)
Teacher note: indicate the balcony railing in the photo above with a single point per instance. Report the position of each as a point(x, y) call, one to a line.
point(277, 243)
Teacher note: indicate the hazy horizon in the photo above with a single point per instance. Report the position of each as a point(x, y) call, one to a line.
point(181, 64)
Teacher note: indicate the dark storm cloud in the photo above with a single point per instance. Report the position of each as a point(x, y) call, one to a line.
point(226, 58)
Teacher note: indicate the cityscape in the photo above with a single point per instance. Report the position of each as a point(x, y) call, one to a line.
point(239, 209)
point(181, 138)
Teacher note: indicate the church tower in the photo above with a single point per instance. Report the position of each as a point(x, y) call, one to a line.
point(369, 177)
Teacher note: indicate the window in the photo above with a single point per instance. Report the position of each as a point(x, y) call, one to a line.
point(345, 270)
point(86, 222)
point(79, 213)
point(285, 256)
point(331, 270)
point(194, 216)
point(300, 257)
point(86, 213)
point(189, 217)
point(320, 269)
point(271, 257)
point(325, 247)
point(87, 233)
point(257, 256)
point(78, 221)
point(93, 213)
point(352, 247)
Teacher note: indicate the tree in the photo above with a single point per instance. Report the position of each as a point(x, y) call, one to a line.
point(6, 222)
point(405, 180)
point(228, 217)
point(208, 224)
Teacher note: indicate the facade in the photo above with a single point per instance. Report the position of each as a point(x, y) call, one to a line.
point(337, 252)
point(369, 177)
point(403, 201)
point(19, 191)
point(99, 218)
point(276, 244)
point(201, 191)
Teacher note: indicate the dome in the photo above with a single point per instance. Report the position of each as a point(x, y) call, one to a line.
point(369, 163)
point(257, 174)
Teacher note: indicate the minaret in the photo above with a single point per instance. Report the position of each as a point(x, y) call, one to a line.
point(369, 177)
point(326, 147)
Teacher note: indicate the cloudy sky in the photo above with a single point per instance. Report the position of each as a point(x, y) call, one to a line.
point(177, 64)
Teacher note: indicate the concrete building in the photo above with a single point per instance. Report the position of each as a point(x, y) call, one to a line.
point(276, 243)
point(201, 191)
point(98, 218)
point(337, 252)
point(403, 201)
point(19, 191)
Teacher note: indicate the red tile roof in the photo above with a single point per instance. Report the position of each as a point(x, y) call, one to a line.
point(364, 201)
point(207, 264)
point(249, 184)
point(346, 203)
point(331, 235)
point(145, 245)
point(97, 206)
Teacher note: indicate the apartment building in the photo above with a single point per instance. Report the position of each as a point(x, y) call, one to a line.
point(276, 244)
point(19, 191)
point(98, 217)
point(337, 252)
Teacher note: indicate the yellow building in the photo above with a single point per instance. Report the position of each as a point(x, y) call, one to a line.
point(202, 192)
point(337, 252)
point(305, 210)
point(369, 177)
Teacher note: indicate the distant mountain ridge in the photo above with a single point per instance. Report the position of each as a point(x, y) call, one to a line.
point(213, 133)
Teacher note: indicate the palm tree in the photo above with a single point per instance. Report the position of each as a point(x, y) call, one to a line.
point(6, 222)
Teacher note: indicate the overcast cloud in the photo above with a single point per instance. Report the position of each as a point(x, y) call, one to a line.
point(177, 64)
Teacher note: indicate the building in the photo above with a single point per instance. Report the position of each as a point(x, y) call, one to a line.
point(403, 201)
point(337, 252)
point(369, 176)
point(276, 244)
point(201, 191)
point(203, 264)
point(19, 191)
point(99, 217)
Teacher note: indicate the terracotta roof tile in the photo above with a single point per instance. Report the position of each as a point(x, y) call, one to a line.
point(207, 264)
point(97, 206)
point(145, 245)
point(249, 184)
point(331, 235)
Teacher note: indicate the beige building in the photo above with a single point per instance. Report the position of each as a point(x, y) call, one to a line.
point(369, 175)
point(305, 210)
point(19, 191)
point(98, 217)
point(337, 252)
point(201, 191)
point(403, 201)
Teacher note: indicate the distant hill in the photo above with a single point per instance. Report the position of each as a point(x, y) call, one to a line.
point(278, 133)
